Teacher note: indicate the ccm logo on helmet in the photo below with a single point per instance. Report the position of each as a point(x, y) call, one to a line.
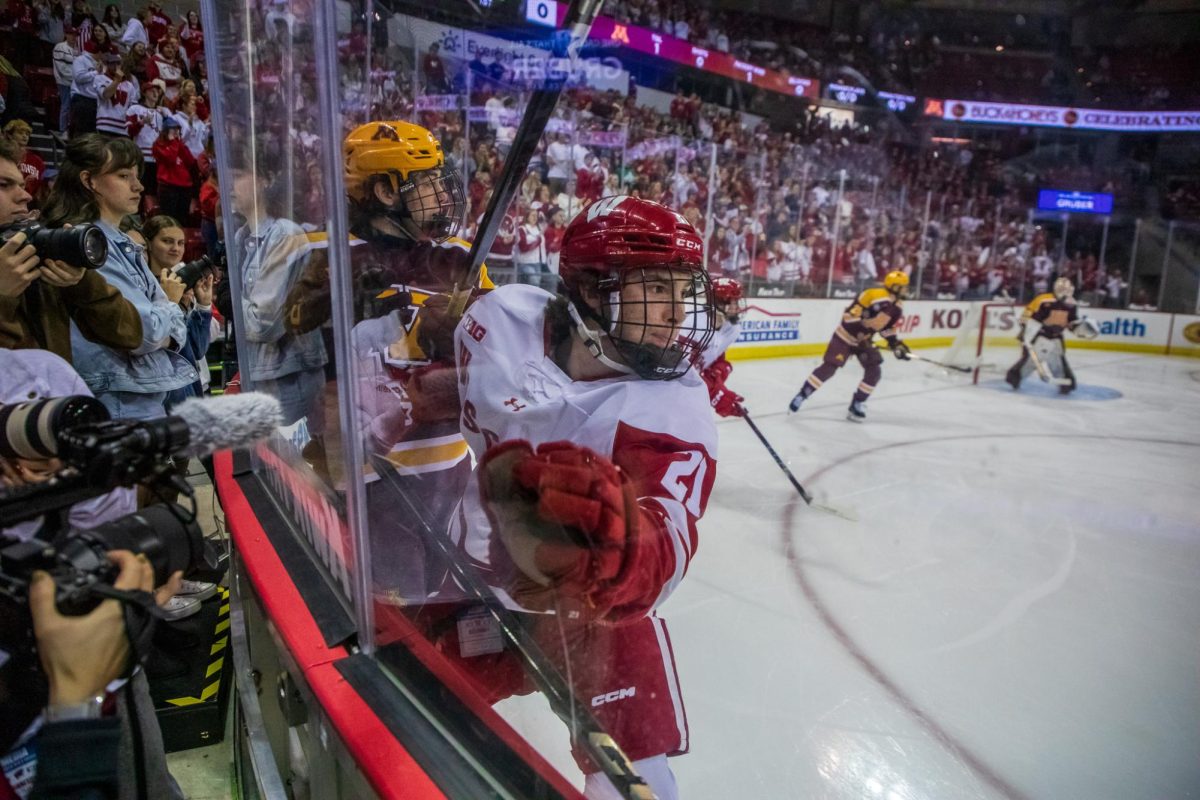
point(688, 243)
point(608, 697)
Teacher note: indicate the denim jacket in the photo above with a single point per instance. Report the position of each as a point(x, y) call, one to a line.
point(150, 368)
point(269, 261)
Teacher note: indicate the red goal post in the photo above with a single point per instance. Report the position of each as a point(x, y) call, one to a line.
point(987, 339)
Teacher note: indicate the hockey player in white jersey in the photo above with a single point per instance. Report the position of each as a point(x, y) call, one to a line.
point(597, 452)
point(715, 368)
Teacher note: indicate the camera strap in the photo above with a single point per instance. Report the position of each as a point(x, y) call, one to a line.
point(141, 614)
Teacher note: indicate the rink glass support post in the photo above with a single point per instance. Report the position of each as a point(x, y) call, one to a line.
point(710, 229)
point(837, 226)
point(1137, 230)
point(1166, 264)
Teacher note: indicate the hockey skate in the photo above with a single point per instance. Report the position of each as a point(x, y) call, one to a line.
point(1013, 379)
point(797, 401)
point(857, 411)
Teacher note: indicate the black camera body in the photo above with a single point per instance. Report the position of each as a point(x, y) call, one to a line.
point(83, 246)
point(167, 535)
point(193, 272)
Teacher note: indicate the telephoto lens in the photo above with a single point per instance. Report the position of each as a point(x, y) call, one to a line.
point(80, 246)
point(166, 535)
point(31, 430)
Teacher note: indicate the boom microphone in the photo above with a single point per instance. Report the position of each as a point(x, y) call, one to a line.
point(101, 455)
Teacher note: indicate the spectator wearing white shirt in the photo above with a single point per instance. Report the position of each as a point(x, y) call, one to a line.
point(144, 123)
point(135, 31)
point(116, 93)
point(529, 255)
point(84, 93)
point(194, 131)
point(65, 53)
point(561, 163)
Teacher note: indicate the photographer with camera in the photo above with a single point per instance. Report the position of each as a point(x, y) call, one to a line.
point(165, 242)
point(98, 183)
point(41, 296)
point(79, 655)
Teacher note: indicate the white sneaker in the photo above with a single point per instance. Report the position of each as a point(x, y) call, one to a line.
point(197, 589)
point(179, 607)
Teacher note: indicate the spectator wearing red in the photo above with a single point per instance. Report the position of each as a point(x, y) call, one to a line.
point(530, 254)
point(554, 238)
point(137, 63)
point(23, 17)
point(157, 23)
point(434, 71)
point(589, 179)
point(100, 44)
point(191, 36)
point(167, 64)
point(83, 20)
point(31, 164)
point(210, 196)
point(189, 89)
point(176, 172)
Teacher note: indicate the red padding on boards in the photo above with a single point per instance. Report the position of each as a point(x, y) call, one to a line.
point(387, 766)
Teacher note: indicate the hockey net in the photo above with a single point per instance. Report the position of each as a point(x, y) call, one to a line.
point(987, 339)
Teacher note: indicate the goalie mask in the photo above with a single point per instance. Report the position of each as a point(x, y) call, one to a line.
point(406, 161)
point(1064, 289)
point(634, 274)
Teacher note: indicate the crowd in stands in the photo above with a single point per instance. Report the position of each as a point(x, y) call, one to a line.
point(144, 78)
point(768, 204)
point(970, 55)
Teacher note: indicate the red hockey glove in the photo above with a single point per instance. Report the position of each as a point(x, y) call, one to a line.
point(727, 403)
point(563, 514)
point(433, 392)
point(715, 375)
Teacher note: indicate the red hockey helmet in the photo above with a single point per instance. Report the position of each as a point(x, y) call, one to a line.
point(727, 290)
point(647, 261)
point(623, 232)
point(728, 297)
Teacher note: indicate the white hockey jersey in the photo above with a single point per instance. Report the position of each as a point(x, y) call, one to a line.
point(660, 433)
point(724, 336)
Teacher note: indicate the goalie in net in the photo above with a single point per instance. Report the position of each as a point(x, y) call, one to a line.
point(1038, 327)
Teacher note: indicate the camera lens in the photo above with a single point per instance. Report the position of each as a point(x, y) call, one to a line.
point(95, 246)
point(157, 532)
point(31, 430)
point(81, 246)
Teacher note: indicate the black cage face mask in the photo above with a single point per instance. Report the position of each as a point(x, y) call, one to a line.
point(659, 319)
point(431, 204)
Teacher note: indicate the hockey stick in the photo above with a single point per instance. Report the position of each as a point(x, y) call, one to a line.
point(808, 498)
point(586, 732)
point(580, 15)
point(941, 364)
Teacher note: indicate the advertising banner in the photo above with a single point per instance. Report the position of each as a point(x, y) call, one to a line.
point(1063, 117)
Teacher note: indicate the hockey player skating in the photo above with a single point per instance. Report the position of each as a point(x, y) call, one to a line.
point(1042, 347)
point(875, 311)
point(715, 368)
point(597, 452)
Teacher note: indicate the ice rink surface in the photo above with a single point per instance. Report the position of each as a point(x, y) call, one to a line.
point(1015, 613)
